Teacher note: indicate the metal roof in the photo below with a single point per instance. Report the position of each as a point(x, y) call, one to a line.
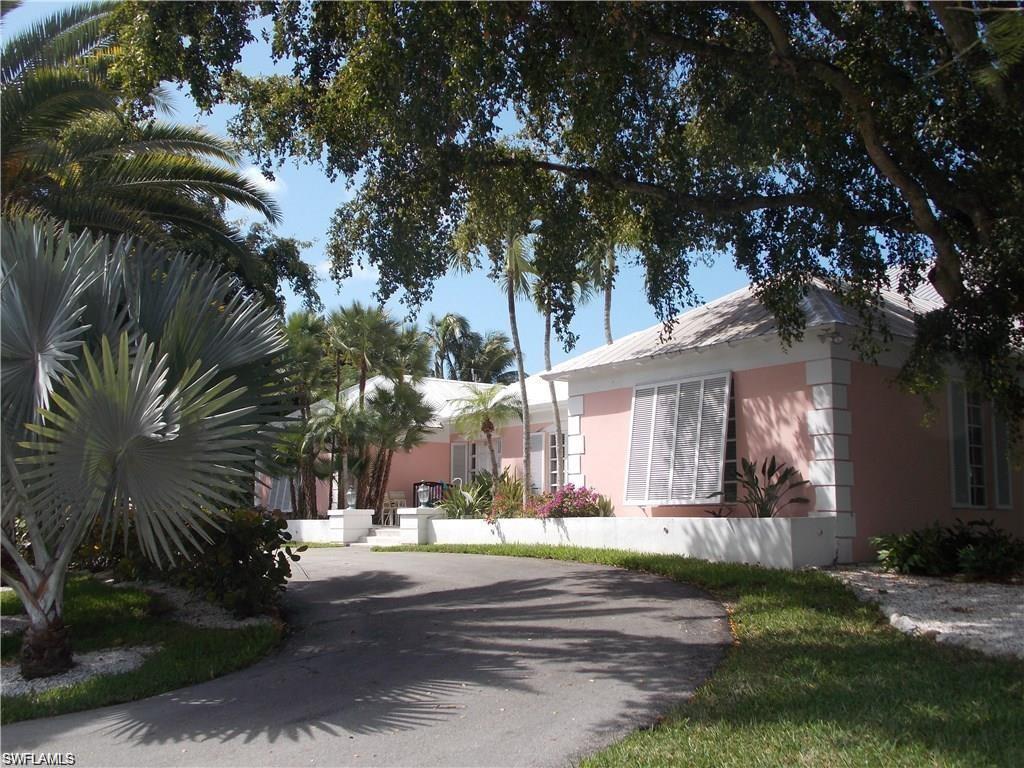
point(738, 316)
point(442, 395)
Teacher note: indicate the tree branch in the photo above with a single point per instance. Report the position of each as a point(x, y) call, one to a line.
point(947, 275)
point(719, 204)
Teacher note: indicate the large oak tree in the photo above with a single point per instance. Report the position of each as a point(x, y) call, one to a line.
point(806, 141)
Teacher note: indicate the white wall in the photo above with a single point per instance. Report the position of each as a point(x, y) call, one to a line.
point(775, 543)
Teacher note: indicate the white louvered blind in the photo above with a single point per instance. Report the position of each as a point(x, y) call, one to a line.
point(677, 441)
point(640, 444)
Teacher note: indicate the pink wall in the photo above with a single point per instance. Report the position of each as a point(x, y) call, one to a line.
point(429, 461)
point(902, 468)
point(771, 407)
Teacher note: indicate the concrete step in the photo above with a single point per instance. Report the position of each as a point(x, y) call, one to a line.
point(384, 532)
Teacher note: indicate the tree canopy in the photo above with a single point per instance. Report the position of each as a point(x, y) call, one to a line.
point(806, 141)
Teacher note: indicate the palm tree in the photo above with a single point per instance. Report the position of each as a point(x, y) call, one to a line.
point(482, 412)
point(135, 382)
point(365, 338)
point(515, 270)
point(447, 335)
point(398, 419)
point(602, 268)
point(305, 373)
point(486, 359)
point(542, 297)
point(410, 358)
point(340, 425)
point(70, 153)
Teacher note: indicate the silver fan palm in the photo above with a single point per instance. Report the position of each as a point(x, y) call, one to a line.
point(133, 382)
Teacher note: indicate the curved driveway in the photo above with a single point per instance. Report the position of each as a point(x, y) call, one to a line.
point(411, 659)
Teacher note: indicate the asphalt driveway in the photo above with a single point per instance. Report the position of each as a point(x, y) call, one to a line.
point(410, 659)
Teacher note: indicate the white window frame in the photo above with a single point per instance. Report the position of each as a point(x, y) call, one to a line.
point(474, 450)
point(991, 493)
point(646, 502)
point(1008, 468)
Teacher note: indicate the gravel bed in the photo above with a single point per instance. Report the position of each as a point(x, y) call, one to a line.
point(191, 609)
point(112, 661)
point(983, 616)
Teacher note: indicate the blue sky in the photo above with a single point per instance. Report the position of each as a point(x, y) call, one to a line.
point(308, 200)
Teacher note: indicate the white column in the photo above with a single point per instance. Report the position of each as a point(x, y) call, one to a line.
point(575, 445)
point(830, 424)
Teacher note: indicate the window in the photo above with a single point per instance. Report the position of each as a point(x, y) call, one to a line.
point(280, 496)
point(553, 478)
point(968, 447)
point(677, 441)
point(731, 467)
point(470, 459)
point(1001, 454)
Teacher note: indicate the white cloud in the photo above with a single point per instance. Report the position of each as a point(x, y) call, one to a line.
point(275, 187)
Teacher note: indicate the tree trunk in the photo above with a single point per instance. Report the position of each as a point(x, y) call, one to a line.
point(494, 462)
point(295, 501)
point(559, 458)
point(46, 644)
point(511, 296)
point(46, 649)
point(609, 280)
point(343, 486)
point(385, 476)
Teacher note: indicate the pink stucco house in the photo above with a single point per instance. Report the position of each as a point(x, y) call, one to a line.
point(659, 427)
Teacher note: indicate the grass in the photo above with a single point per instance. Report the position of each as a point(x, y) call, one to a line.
point(315, 544)
point(815, 678)
point(102, 616)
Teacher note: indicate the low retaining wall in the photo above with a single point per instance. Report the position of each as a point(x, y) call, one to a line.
point(783, 542)
point(342, 525)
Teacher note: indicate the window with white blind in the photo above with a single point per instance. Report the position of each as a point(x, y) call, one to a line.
point(677, 441)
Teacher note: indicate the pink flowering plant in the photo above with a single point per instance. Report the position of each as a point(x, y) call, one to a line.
point(568, 501)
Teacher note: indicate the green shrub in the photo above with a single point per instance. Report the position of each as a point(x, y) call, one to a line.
point(976, 549)
point(245, 567)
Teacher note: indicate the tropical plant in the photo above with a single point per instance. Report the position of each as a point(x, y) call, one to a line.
point(340, 425)
point(487, 358)
point(398, 419)
point(365, 338)
point(485, 410)
point(305, 371)
point(469, 502)
point(133, 380)
point(447, 334)
point(976, 549)
point(463, 354)
point(764, 489)
point(71, 153)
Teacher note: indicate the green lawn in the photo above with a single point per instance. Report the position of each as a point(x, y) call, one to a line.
point(815, 678)
point(101, 616)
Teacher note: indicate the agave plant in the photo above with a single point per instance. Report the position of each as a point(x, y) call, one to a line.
point(135, 382)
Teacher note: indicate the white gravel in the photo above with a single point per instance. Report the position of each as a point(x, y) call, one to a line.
point(192, 609)
point(986, 617)
point(112, 661)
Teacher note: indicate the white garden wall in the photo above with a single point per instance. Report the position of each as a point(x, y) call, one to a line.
point(772, 542)
point(342, 525)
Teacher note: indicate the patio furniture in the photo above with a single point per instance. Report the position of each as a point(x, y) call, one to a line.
point(393, 501)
